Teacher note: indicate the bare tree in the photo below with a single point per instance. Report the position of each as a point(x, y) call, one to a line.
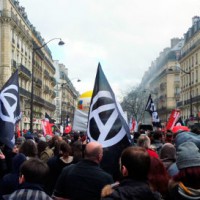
point(134, 103)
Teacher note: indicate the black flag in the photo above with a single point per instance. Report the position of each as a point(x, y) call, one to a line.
point(10, 112)
point(47, 117)
point(106, 124)
point(151, 108)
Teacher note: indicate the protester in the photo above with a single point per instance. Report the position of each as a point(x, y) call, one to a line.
point(144, 141)
point(168, 157)
point(10, 182)
point(33, 173)
point(57, 163)
point(85, 179)
point(169, 136)
point(135, 164)
point(157, 140)
point(3, 166)
point(186, 185)
point(54, 144)
point(29, 149)
point(44, 151)
point(185, 136)
point(159, 178)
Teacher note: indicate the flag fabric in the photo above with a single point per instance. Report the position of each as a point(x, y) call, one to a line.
point(179, 122)
point(47, 117)
point(133, 125)
point(47, 124)
point(107, 124)
point(173, 119)
point(151, 108)
point(10, 112)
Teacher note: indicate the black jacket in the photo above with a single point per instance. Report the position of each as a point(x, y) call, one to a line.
point(133, 190)
point(83, 180)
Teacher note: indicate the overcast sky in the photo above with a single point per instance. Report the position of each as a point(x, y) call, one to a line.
point(125, 36)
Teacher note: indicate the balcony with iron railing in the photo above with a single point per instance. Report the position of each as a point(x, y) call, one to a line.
point(53, 94)
point(38, 100)
point(46, 89)
point(24, 71)
point(46, 74)
point(49, 105)
point(14, 64)
point(53, 81)
point(24, 92)
point(39, 82)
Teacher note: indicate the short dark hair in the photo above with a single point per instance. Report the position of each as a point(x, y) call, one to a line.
point(29, 148)
point(34, 171)
point(137, 162)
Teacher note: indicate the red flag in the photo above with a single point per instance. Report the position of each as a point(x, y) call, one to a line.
point(47, 127)
point(133, 125)
point(68, 129)
point(174, 116)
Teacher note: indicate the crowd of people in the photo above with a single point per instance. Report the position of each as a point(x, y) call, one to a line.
point(156, 166)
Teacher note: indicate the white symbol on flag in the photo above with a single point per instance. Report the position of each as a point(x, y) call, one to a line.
point(105, 128)
point(9, 108)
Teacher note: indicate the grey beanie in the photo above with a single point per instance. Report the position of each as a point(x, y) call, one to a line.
point(188, 155)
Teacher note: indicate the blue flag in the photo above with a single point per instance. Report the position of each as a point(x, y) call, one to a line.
point(10, 112)
point(107, 124)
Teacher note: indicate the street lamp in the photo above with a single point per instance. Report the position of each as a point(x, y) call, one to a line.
point(75, 78)
point(32, 77)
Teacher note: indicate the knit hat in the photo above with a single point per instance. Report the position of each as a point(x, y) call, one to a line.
point(187, 137)
point(168, 152)
point(188, 155)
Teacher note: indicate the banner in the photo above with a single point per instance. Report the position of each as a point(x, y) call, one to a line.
point(174, 116)
point(80, 120)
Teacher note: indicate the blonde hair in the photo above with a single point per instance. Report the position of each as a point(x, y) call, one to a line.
point(144, 141)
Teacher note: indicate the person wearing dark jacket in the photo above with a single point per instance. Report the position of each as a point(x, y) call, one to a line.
point(85, 179)
point(10, 181)
point(135, 164)
point(56, 164)
point(33, 173)
point(186, 185)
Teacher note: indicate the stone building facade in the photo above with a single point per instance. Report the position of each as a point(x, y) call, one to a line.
point(20, 44)
point(66, 96)
point(162, 80)
point(190, 72)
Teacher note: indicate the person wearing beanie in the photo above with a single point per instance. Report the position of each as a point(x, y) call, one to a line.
point(186, 184)
point(168, 157)
point(186, 137)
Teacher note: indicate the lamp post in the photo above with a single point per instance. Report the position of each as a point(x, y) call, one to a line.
point(32, 77)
